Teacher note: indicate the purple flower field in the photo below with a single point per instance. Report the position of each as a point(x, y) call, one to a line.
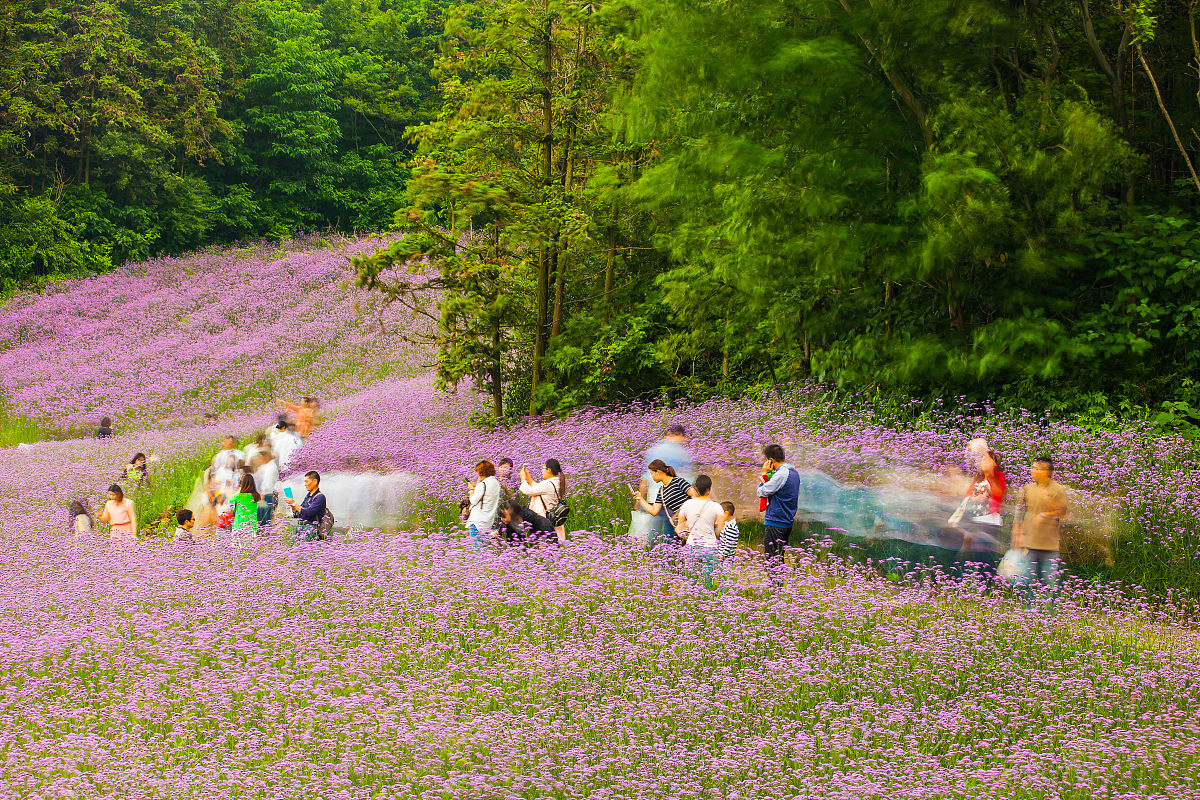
point(402, 663)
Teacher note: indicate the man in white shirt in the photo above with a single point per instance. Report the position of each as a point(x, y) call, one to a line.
point(284, 444)
point(266, 476)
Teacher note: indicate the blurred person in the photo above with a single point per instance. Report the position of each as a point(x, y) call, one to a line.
point(782, 491)
point(672, 450)
point(184, 522)
point(121, 515)
point(229, 449)
point(483, 502)
point(1037, 528)
point(134, 473)
point(697, 521)
point(81, 519)
point(978, 517)
point(546, 494)
point(257, 446)
point(674, 493)
point(305, 414)
point(105, 431)
point(519, 525)
point(266, 480)
point(312, 510)
point(284, 444)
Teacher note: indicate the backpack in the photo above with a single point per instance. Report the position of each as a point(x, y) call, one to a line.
point(559, 512)
point(325, 528)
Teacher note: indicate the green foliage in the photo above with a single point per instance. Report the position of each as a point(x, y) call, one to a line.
point(598, 364)
point(36, 243)
point(161, 127)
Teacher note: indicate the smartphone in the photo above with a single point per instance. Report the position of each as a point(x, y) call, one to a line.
point(287, 492)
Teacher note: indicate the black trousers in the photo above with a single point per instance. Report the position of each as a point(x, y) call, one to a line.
point(774, 540)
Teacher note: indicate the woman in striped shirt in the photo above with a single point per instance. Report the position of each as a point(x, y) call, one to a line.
point(674, 493)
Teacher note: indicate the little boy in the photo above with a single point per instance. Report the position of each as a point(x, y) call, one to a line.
point(729, 532)
point(184, 522)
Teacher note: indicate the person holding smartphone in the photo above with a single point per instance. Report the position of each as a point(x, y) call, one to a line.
point(311, 510)
point(544, 494)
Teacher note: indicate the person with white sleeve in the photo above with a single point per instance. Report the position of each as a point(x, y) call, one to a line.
point(483, 502)
point(545, 494)
point(698, 519)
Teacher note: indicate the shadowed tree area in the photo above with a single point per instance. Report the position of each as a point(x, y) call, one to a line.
point(605, 201)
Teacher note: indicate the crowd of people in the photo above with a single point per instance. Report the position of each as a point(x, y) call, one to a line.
point(239, 495)
point(674, 508)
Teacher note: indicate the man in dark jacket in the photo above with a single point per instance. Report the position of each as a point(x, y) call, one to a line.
point(519, 524)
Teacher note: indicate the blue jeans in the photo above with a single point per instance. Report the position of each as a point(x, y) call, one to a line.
point(1044, 569)
point(707, 559)
point(660, 531)
point(476, 535)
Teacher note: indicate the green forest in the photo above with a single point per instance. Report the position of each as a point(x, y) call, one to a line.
point(623, 199)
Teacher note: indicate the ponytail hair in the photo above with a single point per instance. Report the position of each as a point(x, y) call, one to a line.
point(557, 471)
point(658, 465)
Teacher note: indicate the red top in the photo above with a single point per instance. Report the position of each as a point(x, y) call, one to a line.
point(996, 484)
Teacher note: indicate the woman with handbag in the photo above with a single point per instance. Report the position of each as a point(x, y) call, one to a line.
point(546, 496)
point(674, 493)
point(483, 502)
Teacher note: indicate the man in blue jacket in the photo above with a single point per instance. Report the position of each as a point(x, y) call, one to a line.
point(782, 491)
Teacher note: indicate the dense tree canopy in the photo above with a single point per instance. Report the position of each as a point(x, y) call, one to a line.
point(618, 197)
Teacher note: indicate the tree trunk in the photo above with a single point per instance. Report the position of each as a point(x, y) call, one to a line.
point(544, 256)
point(560, 281)
point(1114, 73)
point(497, 372)
point(608, 267)
point(1167, 116)
point(898, 84)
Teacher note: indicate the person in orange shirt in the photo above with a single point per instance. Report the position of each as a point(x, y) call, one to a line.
point(1037, 527)
point(306, 415)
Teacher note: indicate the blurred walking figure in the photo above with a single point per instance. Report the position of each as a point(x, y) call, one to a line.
point(306, 415)
point(1037, 527)
point(259, 444)
point(105, 431)
point(120, 514)
point(483, 502)
point(546, 496)
point(698, 521)
point(266, 480)
point(979, 515)
point(312, 511)
point(81, 520)
point(134, 474)
point(229, 450)
point(671, 449)
point(509, 480)
point(284, 444)
point(782, 491)
point(674, 493)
